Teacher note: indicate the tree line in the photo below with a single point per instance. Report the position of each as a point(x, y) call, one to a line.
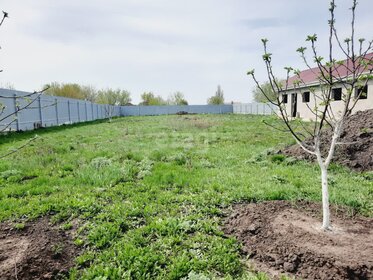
point(118, 97)
point(121, 97)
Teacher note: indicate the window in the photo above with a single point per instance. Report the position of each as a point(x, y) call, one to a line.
point(361, 92)
point(285, 98)
point(337, 94)
point(306, 97)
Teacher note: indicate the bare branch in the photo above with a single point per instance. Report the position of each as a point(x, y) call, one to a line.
point(5, 15)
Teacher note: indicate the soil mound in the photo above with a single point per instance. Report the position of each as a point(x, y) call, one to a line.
point(356, 152)
point(38, 251)
point(284, 238)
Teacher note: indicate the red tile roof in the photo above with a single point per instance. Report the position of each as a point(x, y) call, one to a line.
point(310, 76)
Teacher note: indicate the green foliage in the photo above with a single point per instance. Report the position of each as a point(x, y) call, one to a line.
point(151, 202)
point(150, 99)
point(301, 50)
point(71, 90)
point(268, 91)
point(218, 98)
point(19, 226)
point(67, 226)
point(177, 98)
point(109, 96)
point(117, 97)
point(57, 249)
point(278, 158)
point(267, 57)
point(11, 175)
point(311, 38)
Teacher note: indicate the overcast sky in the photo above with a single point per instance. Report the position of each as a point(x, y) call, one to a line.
point(161, 45)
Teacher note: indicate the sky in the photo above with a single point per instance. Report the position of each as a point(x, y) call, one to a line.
point(163, 46)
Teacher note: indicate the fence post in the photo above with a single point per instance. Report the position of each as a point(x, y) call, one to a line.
point(138, 110)
point(92, 110)
point(40, 111)
point(77, 102)
point(58, 122)
point(16, 111)
point(68, 110)
point(86, 111)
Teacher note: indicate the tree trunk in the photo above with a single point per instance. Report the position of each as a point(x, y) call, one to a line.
point(325, 198)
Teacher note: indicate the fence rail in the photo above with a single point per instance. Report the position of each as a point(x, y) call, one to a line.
point(28, 111)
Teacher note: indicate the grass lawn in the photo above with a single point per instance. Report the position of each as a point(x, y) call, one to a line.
point(150, 193)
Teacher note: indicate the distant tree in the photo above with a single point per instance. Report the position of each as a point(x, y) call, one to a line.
point(269, 93)
point(113, 97)
point(149, 99)
point(72, 90)
point(177, 98)
point(117, 97)
point(218, 98)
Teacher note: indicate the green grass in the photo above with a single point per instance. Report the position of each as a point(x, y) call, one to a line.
point(151, 192)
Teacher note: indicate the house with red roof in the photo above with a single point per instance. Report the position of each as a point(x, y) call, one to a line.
point(305, 90)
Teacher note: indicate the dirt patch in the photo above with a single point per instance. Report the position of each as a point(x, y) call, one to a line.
point(284, 238)
point(37, 251)
point(357, 150)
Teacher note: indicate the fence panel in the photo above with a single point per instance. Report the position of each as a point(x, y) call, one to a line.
point(48, 110)
point(8, 106)
point(254, 108)
point(63, 111)
point(31, 117)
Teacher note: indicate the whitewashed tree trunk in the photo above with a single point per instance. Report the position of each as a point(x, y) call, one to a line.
point(325, 198)
point(324, 165)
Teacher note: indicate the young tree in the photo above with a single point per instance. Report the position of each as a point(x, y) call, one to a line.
point(112, 98)
point(218, 98)
point(357, 69)
point(177, 98)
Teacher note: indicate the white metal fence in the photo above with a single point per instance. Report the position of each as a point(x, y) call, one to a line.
point(26, 111)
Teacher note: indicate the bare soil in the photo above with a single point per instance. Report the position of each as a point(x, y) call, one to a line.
point(356, 152)
point(38, 251)
point(281, 237)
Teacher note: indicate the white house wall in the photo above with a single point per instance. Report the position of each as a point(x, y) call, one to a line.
point(337, 106)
